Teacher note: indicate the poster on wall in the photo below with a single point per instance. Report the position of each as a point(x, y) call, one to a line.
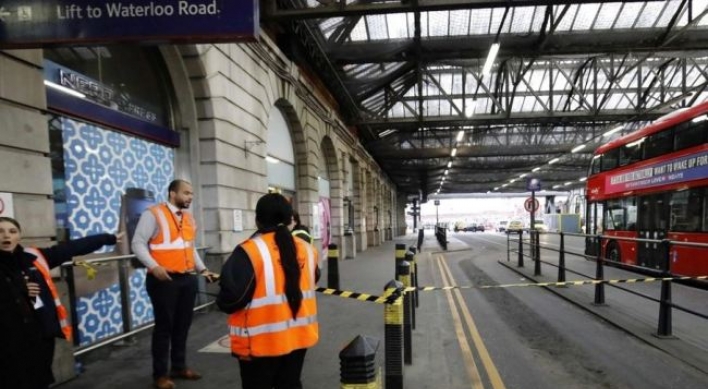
point(316, 226)
point(6, 207)
point(324, 206)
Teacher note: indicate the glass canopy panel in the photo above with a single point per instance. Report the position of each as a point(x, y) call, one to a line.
point(328, 26)
point(479, 21)
point(377, 27)
point(669, 11)
point(497, 15)
point(607, 15)
point(586, 15)
point(437, 23)
point(398, 26)
point(536, 78)
point(460, 22)
point(359, 33)
point(649, 15)
point(538, 16)
point(567, 20)
point(522, 20)
point(628, 15)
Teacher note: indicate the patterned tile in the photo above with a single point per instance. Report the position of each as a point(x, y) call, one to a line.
point(99, 165)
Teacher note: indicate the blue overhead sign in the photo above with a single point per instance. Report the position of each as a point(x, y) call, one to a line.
point(38, 23)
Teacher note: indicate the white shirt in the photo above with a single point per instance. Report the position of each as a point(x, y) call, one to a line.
point(147, 229)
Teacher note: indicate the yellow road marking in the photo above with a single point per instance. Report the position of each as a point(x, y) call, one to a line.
point(489, 366)
point(470, 365)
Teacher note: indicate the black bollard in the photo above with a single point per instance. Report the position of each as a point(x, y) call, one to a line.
point(400, 255)
point(404, 276)
point(332, 266)
point(393, 338)
point(357, 364)
point(521, 249)
point(665, 324)
point(410, 258)
point(599, 275)
point(561, 259)
point(414, 278)
point(537, 249)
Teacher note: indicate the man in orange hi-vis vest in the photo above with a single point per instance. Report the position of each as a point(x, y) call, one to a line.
point(268, 289)
point(164, 242)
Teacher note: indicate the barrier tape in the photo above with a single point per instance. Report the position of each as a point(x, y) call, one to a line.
point(385, 299)
point(91, 271)
point(390, 299)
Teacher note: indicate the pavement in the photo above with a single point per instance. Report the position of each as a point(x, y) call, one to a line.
point(437, 359)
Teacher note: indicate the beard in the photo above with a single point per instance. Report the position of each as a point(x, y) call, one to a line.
point(181, 204)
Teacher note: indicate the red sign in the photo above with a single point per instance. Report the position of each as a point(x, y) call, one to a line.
point(529, 203)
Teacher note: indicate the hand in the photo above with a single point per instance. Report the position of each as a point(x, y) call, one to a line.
point(119, 236)
point(210, 277)
point(33, 289)
point(160, 273)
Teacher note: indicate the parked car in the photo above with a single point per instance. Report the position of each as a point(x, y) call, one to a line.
point(515, 226)
point(540, 226)
point(501, 227)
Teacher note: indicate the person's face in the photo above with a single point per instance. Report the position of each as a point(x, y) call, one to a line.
point(182, 198)
point(9, 236)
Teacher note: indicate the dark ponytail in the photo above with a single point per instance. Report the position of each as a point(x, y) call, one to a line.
point(274, 213)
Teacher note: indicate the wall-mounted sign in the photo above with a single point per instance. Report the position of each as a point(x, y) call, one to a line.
point(37, 23)
point(238, 220)
point(7, 208)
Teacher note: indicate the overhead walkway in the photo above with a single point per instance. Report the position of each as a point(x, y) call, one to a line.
point(490, 356)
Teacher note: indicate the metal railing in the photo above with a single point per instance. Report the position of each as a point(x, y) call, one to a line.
point(122, 265)
point(664, 275)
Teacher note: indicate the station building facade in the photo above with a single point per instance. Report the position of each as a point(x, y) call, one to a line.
point(92, 135)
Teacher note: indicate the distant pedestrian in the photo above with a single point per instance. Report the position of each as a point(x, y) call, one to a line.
point(299, 230)
point(268, 290)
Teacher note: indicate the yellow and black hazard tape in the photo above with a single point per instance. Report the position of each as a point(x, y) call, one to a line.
point(385, 299)
point(395, 297)
point(564, 283)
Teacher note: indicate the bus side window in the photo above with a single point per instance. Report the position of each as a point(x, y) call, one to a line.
point(690, 134)
point(658, 144)
point(610, 160)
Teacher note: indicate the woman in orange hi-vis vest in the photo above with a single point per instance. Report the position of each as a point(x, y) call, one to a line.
point(32, 313)
point(268, 289)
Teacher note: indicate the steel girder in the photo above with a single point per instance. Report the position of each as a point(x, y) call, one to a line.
point(550, 90)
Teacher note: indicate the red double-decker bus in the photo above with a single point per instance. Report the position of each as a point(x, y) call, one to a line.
point(653, 184)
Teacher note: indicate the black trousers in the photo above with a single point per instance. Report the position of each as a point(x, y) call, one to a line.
point(173, 305)
point(281, 372)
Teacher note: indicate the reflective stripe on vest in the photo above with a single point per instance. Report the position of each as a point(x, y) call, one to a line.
point(265, 327)
point(43, 266)
point(173, 245)
point(305, 234)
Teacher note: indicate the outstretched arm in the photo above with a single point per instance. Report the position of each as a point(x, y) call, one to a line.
point(66, 251)
point(237, 282)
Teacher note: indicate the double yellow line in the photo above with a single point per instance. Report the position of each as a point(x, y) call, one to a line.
point(467, 354)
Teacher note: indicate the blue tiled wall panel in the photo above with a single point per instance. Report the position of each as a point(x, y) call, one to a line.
point(99, 165)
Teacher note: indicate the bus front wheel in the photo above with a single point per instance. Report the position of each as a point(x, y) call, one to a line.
point(613, 252)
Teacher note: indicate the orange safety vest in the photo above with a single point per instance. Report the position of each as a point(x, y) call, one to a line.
point(173, 245)
point(265, 327)
point(43, 266)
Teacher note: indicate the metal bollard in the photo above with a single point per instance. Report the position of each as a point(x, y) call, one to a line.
point(332, 266)
point(357, 364)
point(411, 261)
point(404, 276)
point(537, 249)
point(665, 324)
point(521, 249)
point(561, 259)
point(599, 275)
point(393, 338)
point(414, 273)
point(400, 255)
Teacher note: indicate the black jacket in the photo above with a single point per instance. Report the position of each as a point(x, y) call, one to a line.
point(27, 333)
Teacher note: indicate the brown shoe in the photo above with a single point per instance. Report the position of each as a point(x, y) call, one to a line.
point(164, 383)
point(187, 374)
